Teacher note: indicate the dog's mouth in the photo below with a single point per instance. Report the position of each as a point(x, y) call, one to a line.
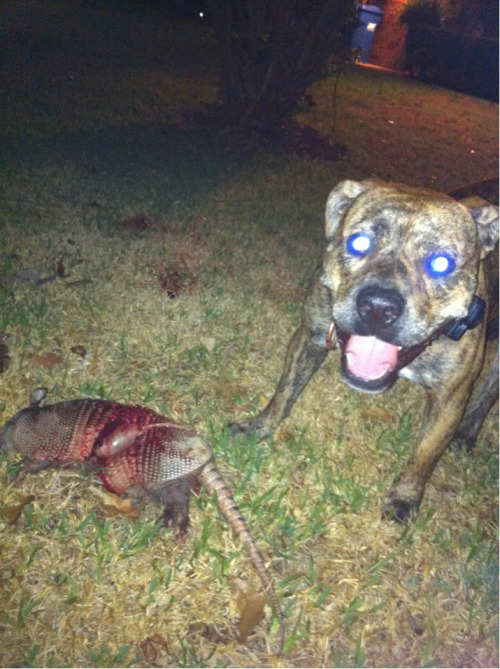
point(372, 365)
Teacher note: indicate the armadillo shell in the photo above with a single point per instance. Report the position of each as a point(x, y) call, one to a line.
point(61, 432)
point(69, 431)
point(157, 456)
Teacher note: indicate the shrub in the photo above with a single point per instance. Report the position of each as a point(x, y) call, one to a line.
point(421, 12)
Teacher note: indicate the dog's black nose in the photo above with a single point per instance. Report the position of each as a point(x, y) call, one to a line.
point(379, 307)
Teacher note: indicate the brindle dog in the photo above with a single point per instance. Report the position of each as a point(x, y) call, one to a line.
point(404, 290)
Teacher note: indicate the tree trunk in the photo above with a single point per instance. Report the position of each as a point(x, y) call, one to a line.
point(271, 52)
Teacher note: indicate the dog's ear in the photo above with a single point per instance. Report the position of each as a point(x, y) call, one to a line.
point(485, 216)
point(339, 200)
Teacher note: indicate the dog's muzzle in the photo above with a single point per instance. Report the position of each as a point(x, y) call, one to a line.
point(378, 308)
point(372, 364)
point(369, 361)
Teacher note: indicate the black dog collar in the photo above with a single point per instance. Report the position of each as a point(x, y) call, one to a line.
point(472, 320)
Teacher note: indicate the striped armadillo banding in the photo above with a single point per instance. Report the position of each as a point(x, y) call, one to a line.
point(158, 454)
point(68, 431)
point(132, 446)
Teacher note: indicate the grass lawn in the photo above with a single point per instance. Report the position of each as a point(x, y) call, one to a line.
point(177, 257)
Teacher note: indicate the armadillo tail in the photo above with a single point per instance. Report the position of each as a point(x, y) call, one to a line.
point(213, 481)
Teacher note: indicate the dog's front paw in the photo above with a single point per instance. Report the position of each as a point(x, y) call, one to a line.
point(399, 510)
point(249, 426)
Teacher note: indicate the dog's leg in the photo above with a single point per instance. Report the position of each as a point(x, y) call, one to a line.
point(450, 369)
point(441, 418)
point(306, 351)
point(303, 359)
point(477, 410)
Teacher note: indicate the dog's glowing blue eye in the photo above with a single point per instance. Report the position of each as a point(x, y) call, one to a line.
point(359, 244)
point(439, 264)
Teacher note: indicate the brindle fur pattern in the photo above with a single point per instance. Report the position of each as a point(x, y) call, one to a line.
point(407, 225)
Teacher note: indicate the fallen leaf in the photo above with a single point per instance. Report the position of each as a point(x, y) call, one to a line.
point(250, 605)
point(47, 359)
point(376, 413)
point(152, 646)
point(264, 399)
point(227, 389)
point(78, 283)
point(209, 343)
point(175, 277)
point(112, 506)
point(4, 353)
point(60, 270)
point(200, 629)
point(139, 223)
point(416, 624)
point(79, 350)
point(12, 513)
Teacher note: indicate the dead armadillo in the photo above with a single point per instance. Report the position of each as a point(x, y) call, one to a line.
point(132, 446)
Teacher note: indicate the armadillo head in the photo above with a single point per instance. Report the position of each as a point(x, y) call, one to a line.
point(13, 433)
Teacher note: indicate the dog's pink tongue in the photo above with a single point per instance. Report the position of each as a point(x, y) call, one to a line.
point(370, 358)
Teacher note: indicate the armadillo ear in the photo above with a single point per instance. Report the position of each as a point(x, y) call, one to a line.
point(339, 200)
point(485, 216)
point(37, 396)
